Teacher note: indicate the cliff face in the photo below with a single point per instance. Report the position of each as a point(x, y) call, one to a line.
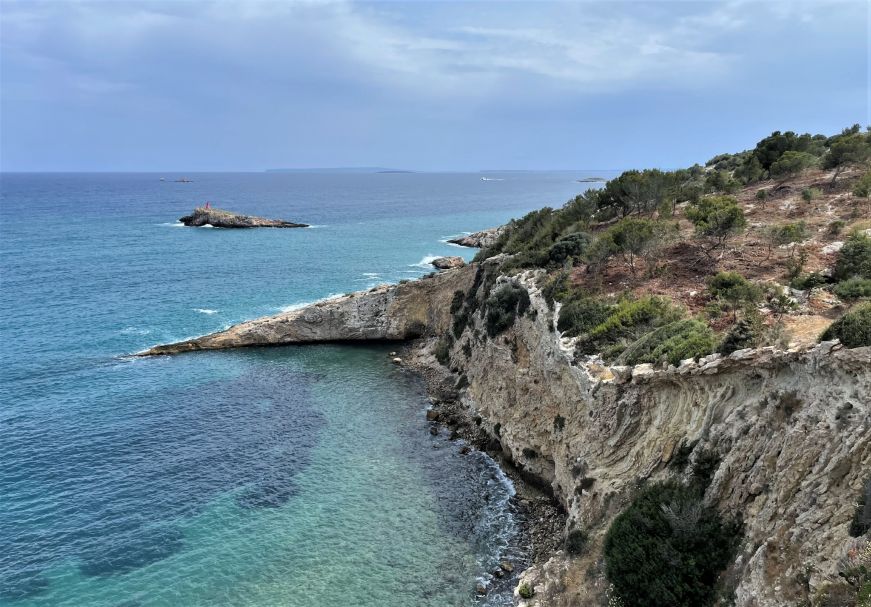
point(791, 431)
point(405, 311)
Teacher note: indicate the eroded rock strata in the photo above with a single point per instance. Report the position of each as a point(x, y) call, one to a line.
point(790, 432)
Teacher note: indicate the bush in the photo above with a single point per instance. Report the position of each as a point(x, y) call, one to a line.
point(762, 196)
point(576, 540)
point(717, 217)
point(573, 245)
point(626, 322)
point(853, 288)
point(733, 289)
point(810, 194)
point(809, 281)
point(853, 328)
point(442, 350)
point(503, 306)
point(854, 258)
point(861, 523)
point(633, 238)
point(745, 333)
point(792, 164)
point(672, 343)
point(862, 189)
point(667, 548)
point(836, 227)
point(580, 315)
point(525, 590)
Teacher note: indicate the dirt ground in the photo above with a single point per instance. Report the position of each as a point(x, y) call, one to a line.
point(681, 268)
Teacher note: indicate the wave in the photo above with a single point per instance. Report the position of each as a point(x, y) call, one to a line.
point(425, 263)
point(318, 225)
point(304, 304)
point(205, 311)
point(175, 224)
point(134, 331)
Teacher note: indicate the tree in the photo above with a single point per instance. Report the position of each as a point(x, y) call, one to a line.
point(791, 164)
point(634, 237)
point(850, 148)
point(717, 218)
point(734, 289)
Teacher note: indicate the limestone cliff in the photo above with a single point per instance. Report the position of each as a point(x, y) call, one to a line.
point(790, 432)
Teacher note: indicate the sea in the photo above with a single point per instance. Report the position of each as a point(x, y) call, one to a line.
point(295, 476)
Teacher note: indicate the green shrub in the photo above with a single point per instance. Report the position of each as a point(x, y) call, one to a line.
point(525, 590)
point(861, 523)
point(672, 343)
point(442, 349)
point(576, 540)
point(733, 289)
point(568, 247)
point(717, 217)
point(667, 548)
point(791, 164)
point(809, 281)
point(862, 189)
point(854, 258)
point(810, 194)
point(853, 288)
point(836, 227)
point(636, 237)
point(626, 322)
point(762, 196)
point(745, 333)
point(580, 315)
point(503, 307)
point(853, 328)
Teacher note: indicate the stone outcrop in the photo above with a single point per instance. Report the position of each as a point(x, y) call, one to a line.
point(398, 312)
point(479, 240)
point(790, 431)
point(225, 219)
point(448, 263)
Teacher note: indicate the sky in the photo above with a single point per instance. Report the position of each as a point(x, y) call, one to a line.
point(220, 85)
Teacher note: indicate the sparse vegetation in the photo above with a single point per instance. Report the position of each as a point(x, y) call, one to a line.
point(853, 328)
point(503, 307)
point(576, 541)
point(717, 218)
point(667, 548)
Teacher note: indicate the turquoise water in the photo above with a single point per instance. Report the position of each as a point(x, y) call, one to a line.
point(287, 476)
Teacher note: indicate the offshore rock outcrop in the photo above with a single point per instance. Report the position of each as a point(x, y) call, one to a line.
point(789, 431)
point(225, 219)
point(480, 240)
point(398, 312)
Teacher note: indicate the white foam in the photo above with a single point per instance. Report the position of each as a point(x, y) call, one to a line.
point(134, 331)
point(176, 224)
point(205, 311)
point(371, 274)
point(426, 262)
point(304, 304)
point(321, 225)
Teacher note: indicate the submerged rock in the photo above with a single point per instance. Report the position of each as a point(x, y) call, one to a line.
point(225, 219)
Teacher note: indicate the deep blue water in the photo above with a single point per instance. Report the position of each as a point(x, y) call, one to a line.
point(286, 476)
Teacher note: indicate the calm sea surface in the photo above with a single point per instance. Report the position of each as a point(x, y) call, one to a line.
point(287, 476)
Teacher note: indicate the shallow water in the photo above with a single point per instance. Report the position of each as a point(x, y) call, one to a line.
point(285, 476)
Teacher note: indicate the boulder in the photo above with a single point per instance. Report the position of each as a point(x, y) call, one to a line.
point(447, 263)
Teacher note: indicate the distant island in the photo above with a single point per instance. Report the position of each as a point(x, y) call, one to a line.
point(218, 218)
point(340, 170)
point(592, 180)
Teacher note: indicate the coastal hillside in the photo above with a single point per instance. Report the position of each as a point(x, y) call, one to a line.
point(680, 359)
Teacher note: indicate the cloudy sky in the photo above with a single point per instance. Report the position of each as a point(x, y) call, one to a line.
point(247, 85)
